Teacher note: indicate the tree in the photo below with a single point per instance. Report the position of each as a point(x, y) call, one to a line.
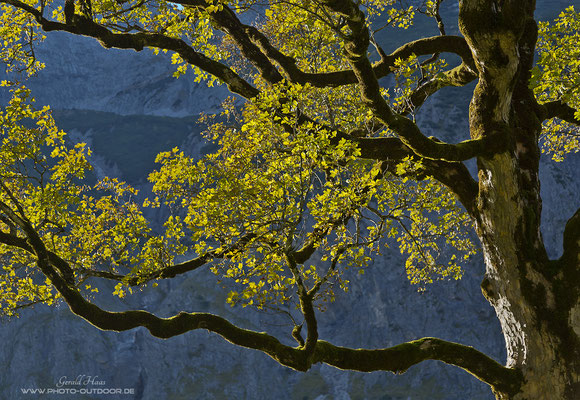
point(320, 164)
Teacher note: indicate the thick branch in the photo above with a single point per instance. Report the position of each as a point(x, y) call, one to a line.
point(396, 359)
point(425, 46)
point(163, 273)
point(227, 21)
point(258, 49)
point(458, 76)
point(138, 41)
point(179, 324)
point(381, 69)
point(15, 241)
point(572, 240)
point(559, 109)
point(454, 175)
point(356, 50)
point(399, 358)
point(12, 240)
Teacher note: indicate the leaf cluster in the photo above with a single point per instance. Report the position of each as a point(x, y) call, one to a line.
point(556, 77)
point(297, 191)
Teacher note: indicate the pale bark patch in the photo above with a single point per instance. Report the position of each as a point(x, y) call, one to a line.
point(575, 318)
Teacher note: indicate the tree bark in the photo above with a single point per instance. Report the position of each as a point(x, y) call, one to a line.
point(535, 301)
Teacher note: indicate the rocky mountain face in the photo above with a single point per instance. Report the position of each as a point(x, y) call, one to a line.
point(127, 107)
point(81, 75)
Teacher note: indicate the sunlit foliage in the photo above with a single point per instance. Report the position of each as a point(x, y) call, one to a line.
point(93, 227)
point(556, 78)
point(284, 186)
point(286, 203)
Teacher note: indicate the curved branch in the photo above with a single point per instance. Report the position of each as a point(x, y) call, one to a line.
point(559, 109)
point(458, 76)
point(163, 273)
point(140, 40)
point(356, 49)
point(399, 358)
point(454, 175)
point(227, 21)
point(396, 359)
point(425, 46)
point(258, 49)
point(177, 325)
point(306, 307)
point(384, 67)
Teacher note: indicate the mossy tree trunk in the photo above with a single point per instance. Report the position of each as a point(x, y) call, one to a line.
point(535, 298)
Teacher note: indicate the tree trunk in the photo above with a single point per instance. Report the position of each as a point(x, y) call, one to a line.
point(536, 300)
